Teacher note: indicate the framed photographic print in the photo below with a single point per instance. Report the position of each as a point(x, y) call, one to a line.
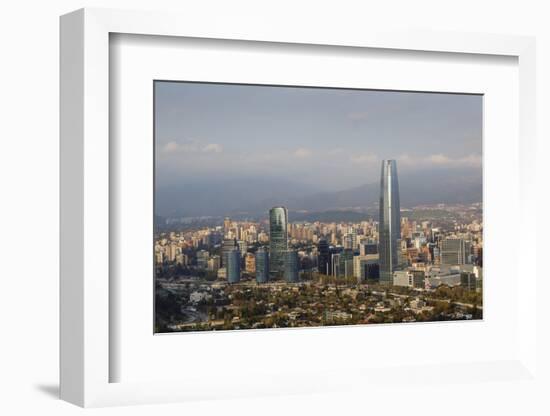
point(305, 223)
point(320, 212)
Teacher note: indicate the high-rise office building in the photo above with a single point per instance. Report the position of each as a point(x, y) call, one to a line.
point(214, 238)
point(214, 263)
point(228, 245)
point(278, 239)
point(234, 266)
point(349, 240)
point(359, 263)
point(173, 251)
point(372, 270)
point(291, 266)
point(250, 263)
point(242, 247)
point(202, 259)
point(453, 251)
point(436, 254)
point(468, 280)
point(479, 256)
point(226, 225)
point(262, 265)
point(389, 226)
point(435, 235)
point(468, 257)
point(335, 263)
point(346, 263)
point(367, 248)
point(323, 260)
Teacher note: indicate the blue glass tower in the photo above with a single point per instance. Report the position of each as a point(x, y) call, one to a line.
point(389, 226)
point(323, 259)
point(262, 265)
point(278, 239)
point(234, 266)
point(291, 266)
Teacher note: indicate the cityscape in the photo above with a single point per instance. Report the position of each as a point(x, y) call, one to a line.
point(277, 273)
point(251, 249)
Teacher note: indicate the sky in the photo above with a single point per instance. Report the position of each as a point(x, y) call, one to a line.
point(327, 139)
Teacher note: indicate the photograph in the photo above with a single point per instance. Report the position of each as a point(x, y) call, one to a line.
point(294, 206)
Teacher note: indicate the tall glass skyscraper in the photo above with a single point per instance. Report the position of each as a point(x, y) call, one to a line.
point(389, 227)
point(234, 266)
point(262, 265)
point(278, 239)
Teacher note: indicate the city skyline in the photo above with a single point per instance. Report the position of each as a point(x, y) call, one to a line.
point(281, 261)
point(263, 224)
point(434, 260)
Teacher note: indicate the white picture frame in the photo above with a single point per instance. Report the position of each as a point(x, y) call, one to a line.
point(85, 353)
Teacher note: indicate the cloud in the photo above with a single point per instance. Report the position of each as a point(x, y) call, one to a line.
point(405, 160)
point(472, 160)
point(439, 159)
point(170, 147)
point(302, 153)
point(191, 146)
point(364, 158)
point(213, 148)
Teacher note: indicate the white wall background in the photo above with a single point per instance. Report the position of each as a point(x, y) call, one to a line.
point(29, 198)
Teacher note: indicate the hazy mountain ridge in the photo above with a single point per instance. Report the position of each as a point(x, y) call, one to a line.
point(258, 195)
point(411, 193)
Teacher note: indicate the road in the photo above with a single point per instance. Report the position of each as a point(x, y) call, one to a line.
point(469, 305)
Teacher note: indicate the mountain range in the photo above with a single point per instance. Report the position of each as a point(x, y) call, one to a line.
point(253, 196)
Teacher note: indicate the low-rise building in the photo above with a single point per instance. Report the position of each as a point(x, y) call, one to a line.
point(360, 264)
point(417, 303)
point(196, 297)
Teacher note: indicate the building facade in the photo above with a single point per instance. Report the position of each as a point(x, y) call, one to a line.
point(202, 259)
point(214, 263)
point(228, 245)
point(234, 266)
point(367, 248)
point(278, 239)
point(323, 259)
point(453, 251)
point(291, 266)
point(346, 263)
point(262, 265)
point(468, 280)
point(359, 266)
point(250, 263)
point(389, 222)
point(335, 263)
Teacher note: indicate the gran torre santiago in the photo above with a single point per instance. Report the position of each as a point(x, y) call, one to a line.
point(389, 226)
